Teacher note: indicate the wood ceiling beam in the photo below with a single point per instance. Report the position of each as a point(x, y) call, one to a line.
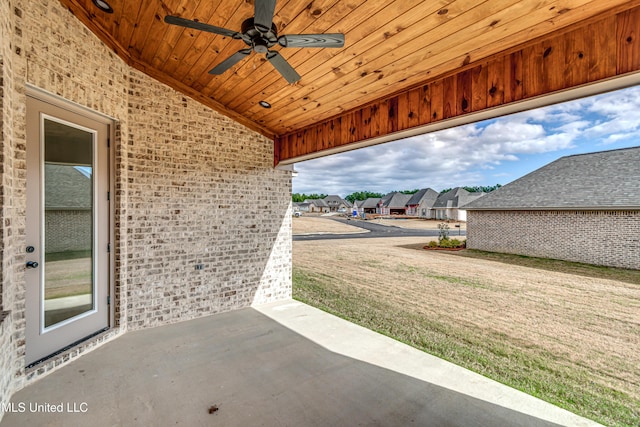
point(583, 54)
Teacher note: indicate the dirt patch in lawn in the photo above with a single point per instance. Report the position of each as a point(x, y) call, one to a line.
point(558, 333)
point(322, 225)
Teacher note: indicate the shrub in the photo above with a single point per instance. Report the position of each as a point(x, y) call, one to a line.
point(448, 243)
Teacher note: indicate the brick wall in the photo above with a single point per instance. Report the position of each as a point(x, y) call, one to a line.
point(609, 238)
point(12, 207)
point(68, 230)
point(7, 357)
point(200, 192)
point(192, 188)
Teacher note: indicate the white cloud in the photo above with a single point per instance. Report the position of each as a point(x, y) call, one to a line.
point(619, 115)
point(617, 137)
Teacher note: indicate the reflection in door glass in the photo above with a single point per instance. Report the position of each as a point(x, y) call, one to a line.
point(68, 222)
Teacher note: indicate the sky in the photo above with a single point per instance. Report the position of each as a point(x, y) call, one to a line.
point(495, 151)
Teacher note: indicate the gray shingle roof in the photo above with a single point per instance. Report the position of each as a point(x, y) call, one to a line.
point(425, 193)
point(318, 202)
point(447, 199)
point(396, 200)
point(602, 180)
point(334, 200)
point(370, 203)
point(455, 198)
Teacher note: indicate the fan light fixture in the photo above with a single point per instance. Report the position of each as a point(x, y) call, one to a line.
point(103, 6)
point(264, 104)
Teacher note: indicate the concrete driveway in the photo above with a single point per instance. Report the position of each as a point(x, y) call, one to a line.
point(282, 364)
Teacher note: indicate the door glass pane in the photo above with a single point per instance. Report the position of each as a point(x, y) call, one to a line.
point(68, 222)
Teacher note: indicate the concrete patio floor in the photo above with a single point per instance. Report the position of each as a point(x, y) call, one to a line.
point(281, 364)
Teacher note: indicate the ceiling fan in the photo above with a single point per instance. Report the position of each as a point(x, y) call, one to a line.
point(260, 34)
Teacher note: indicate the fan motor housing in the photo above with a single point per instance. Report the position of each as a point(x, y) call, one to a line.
point(259, 42)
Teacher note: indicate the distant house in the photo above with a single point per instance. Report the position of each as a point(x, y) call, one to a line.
point(337, 203)
point(583, 208)
point(315, 205)
point(394, 204)
point(421, 203)
point(369, 206)
point(448, 206)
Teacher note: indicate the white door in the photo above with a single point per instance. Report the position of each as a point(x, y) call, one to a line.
point(67, 230)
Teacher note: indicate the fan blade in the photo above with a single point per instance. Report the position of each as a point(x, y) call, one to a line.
point(311, 40)
point(263, 18)
point(230, 61)
point(176, 20)
point(283, 67)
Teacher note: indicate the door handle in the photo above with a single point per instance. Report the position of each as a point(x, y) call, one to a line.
point(32, 264)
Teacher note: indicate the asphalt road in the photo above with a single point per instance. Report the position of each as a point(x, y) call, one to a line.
point(376, 230)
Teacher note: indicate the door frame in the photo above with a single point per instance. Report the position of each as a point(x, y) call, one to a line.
point(69, 106)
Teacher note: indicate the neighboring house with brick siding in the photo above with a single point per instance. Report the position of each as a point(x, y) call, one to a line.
point(583, 208)
point(448, 206)
point(421, 203)
point(369, 206)
point(394, 203)
point(337, 203)
point(316, 205)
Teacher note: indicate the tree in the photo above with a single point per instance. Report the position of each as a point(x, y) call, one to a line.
point(409, 191)
point(301, 197)
point(476, 189)
point(485, 189)
point(362, 195)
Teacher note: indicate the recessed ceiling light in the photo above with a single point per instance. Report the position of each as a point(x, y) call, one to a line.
point(264, 104)
point(103, 6)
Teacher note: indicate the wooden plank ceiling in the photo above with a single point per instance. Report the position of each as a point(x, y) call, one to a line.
point(391, 46)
